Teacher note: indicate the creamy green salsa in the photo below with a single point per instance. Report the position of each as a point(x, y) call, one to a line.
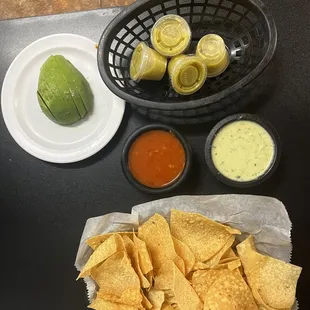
point(242, 151)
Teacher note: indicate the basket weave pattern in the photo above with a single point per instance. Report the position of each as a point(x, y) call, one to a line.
point(241, 27)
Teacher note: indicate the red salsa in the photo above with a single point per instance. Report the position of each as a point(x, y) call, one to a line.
point(156, 158)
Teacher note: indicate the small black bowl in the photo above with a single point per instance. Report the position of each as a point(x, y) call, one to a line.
point(171, 186)
point(247, 117)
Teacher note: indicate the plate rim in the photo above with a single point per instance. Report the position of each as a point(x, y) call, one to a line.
point(118, 109)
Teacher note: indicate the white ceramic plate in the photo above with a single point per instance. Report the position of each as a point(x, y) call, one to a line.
point(27, 124)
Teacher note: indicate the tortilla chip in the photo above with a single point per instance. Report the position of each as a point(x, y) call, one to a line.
point(203, 236)
point(229, 254)
point(199, 266)
point(261, 303)
point(156, 234)
point(144, 257)
point(95, 241)
point(185, 253)
point(117, 280)
point(216, 258)
point(230, 265)
point(109, 247)
point(167, 306)
point(229, 292)
point(150, 277)
point(156, 298)
point(101, 304)
point(177, 289)
point(228, 260)
point(274, 280)
point(132, 251)
point(202, 280)
point(145, 302)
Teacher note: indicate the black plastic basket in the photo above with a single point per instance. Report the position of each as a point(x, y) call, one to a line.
point(248, 30)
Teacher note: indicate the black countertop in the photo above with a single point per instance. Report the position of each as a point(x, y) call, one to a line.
point(44, 206)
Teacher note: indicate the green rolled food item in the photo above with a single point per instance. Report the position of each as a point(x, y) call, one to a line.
point(63, 93)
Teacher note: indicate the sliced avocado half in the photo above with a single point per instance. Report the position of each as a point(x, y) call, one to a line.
point(63, 93)
point(54, 78)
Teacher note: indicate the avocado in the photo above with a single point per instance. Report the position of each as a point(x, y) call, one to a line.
point(83, 87)
point(44, 108)
point(53, 99)
point(59, 91)
point(70, 79)
point(53, 77)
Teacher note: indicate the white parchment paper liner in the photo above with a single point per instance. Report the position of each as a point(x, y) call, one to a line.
point(264, 217)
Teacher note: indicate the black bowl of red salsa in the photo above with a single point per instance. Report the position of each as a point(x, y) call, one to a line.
point(156, 159)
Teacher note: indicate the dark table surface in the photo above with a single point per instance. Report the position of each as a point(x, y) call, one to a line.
point(44, 206)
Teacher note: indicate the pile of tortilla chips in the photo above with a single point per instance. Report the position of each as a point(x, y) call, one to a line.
point(190, 264)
